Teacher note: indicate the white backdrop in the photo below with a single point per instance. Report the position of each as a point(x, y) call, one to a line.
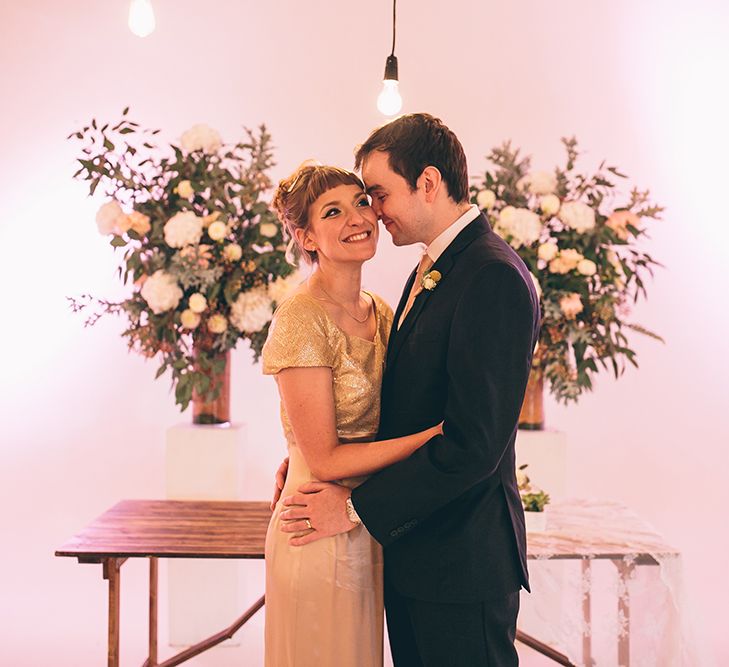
point(640, 83)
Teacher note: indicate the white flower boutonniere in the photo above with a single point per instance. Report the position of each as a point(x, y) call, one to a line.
point(430, 280)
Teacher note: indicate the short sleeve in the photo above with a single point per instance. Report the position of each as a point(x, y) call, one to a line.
point(297, 337)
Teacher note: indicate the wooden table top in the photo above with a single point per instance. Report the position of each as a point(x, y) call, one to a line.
point(237, 529)
point(582, 528)
point(174, 528)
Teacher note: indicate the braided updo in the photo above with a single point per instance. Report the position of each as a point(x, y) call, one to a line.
point(298, 192)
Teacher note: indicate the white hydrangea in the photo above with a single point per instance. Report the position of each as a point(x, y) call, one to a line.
point(485, 199)
point(161, 292)
point(183, 229)
point(281, 288)
point(252, 310)
point(520, 225)
point(107, 216)
point(577, 216)
point(538, 183)
point(201, 137)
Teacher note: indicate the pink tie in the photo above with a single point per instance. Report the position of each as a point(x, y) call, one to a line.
point(417, 288)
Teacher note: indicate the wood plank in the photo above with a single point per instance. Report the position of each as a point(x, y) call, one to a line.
point(174, 528)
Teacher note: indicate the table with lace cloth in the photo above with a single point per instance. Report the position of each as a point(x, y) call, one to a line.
point(592, 602)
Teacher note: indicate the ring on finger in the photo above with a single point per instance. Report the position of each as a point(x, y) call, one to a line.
point(308, 524)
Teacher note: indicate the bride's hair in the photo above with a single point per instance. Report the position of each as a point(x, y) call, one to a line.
point(298, 192)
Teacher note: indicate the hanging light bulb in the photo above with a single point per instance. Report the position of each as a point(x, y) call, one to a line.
point(141, 18)
point(389, 101)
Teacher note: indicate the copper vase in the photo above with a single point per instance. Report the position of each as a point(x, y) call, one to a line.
point(531, 417)
point(206, 410)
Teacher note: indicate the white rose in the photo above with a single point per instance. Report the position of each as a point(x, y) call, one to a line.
point(233, 252)
point(485, 199)
point(519, 225)
point(201, 137)
point(429, 283)
point(538, 183)
point(549, 204)
point(521, 479)
point(217, 230)
point(185, 189)
point(548, 251)
point(586, 267)
point(577, 216)
point(183, 229)
point(252, 310)
point(197, 302)
point(268, 229)
point(161, 292)
point(217, 324)
point(281, 288)
point(107, 216)
point(189, 319)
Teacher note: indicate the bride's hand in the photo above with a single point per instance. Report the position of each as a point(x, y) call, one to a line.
point(281, 473)
point(436, 430)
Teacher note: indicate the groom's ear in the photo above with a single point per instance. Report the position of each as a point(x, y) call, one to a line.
point(430, 181)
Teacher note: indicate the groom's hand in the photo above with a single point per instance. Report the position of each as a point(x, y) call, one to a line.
point(323, 504)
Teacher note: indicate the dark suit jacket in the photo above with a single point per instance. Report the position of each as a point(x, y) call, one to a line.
point(449, 517)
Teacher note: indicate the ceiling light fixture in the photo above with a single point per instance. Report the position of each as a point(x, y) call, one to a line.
point(389, 101)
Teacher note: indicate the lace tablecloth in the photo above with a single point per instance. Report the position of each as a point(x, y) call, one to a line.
point(606, 589)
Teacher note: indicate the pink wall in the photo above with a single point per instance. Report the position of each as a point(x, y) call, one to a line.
point(642, 84)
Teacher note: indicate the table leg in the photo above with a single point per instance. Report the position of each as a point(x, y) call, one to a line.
point(586, 589)
point(153, 589)
point(111, 573)
point(624, 571)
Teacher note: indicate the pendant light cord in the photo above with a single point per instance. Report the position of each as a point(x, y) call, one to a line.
point(394, 6)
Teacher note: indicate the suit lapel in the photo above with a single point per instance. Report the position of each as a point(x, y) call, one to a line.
point(444, 265)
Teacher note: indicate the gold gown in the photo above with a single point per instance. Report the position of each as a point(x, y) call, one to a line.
point(324, 601)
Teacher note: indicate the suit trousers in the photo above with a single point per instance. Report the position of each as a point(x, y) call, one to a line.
point(440, 634)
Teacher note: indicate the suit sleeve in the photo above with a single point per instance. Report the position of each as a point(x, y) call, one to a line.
point(488, 361)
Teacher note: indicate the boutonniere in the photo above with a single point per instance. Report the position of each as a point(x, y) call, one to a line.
point(430, 280)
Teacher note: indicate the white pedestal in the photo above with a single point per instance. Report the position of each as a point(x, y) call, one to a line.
point(546, 454)
point(203, 463)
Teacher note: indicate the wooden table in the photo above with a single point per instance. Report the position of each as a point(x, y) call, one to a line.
point(587, 530)
point(156, 529)
point(169, 529)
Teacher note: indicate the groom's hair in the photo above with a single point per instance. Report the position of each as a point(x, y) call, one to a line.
point(416, 141)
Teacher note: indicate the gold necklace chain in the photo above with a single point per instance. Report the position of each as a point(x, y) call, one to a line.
point(334, 301)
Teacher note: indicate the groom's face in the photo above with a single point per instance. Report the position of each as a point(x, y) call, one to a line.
point(399, 208)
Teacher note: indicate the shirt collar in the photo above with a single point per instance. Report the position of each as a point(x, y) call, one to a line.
point(446, 237)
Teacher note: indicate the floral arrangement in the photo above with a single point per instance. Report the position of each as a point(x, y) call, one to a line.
point(580, 243)
point(203, 253)
point(532, 498)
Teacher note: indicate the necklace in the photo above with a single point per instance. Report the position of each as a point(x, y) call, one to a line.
point(356, 319)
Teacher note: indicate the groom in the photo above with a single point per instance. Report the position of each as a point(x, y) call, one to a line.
point(449, 517)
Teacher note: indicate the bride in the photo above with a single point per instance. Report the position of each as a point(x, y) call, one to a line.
point(326, 349)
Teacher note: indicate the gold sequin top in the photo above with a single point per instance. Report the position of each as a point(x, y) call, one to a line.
point(302, 334)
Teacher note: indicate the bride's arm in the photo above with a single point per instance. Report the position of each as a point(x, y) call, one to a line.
point(308, 399)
